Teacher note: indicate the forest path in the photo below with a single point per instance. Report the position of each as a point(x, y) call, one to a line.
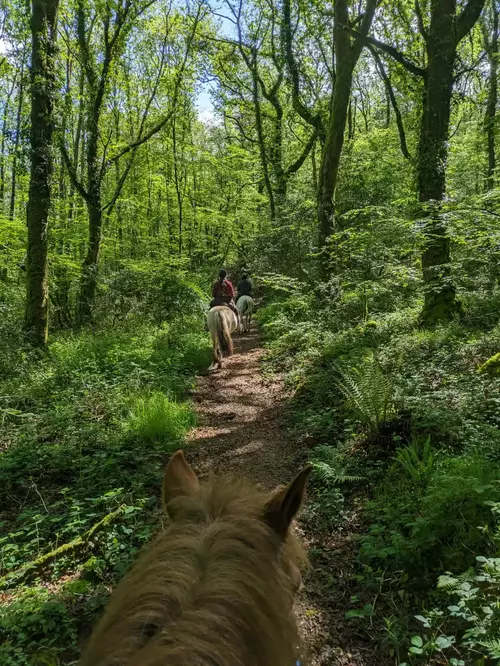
point(242, 430)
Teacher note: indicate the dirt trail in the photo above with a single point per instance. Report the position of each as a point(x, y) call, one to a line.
point(242, 430)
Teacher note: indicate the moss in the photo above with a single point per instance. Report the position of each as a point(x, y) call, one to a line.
point(491, 366)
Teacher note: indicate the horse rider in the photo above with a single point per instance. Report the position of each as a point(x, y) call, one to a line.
point(223, 293)
point(244, 287)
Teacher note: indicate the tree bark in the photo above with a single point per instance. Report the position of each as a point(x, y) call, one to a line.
point(43, 85)
point(440, 301)
point(2, 147)
point(491, 106)
point(346, 58)
point(13, 186)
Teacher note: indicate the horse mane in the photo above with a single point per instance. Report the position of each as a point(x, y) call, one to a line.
point(215, 588)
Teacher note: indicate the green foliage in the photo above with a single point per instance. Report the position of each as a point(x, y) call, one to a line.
point(35, 617)
point(369, 395)
point(421, 530)
point(155, 419)
point(472, 620)
point(330, 472)
point(84, 433)
point(417, 460)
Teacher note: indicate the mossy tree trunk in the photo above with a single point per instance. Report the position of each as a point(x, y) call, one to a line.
point(43, 85)
point(446, 30)
point(347, 54)
point(491, 48)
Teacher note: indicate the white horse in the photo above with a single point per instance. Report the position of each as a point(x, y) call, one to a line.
point(245, 307)
point(221, 323)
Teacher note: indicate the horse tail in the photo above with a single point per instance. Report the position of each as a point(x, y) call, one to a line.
point(224, 335)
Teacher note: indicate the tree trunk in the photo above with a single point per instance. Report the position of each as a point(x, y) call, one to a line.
point(2, 147)
point(490, 115)
point(332, 152)
point(88, 282)
point(76, 148)
point(43, 80)
point(177, 190)
point(12, 206)
point(262, 148)
point(439, 293)
point(332, 149)
point(346, 58)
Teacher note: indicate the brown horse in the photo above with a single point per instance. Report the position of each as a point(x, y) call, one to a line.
point(216, 587)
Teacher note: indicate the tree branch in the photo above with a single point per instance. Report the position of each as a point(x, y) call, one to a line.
point(420, 21)
point(161, 124)
point(295, 166)
point(365, 26)
point(71, 171)
point(392, 97)
point(467, 18)
point(390, 50)
point(306, 114)
point(240, 127)
point(111, 204)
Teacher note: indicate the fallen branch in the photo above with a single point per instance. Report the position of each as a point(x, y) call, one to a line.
point(20, 573)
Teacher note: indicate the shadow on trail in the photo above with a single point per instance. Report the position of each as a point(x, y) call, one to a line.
point(241, 424)
point(242, 429)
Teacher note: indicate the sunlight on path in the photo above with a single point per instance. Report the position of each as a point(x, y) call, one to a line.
point(242, 430)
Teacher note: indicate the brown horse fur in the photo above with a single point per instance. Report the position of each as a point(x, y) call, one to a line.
point(216, 587)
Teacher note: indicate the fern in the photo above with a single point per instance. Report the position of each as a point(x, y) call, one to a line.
point(493, 648)
point(448, 582)
point(417, 460)
point(369, 394)
point(325, 463)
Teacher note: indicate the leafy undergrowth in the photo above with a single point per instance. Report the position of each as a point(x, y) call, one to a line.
point(409, 416)
point(84, 435)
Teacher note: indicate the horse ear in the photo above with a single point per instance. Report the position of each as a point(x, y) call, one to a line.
point(284, 505)
point(179, 478)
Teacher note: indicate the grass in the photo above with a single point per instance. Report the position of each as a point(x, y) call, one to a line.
point(158, 420)
point(84, 434)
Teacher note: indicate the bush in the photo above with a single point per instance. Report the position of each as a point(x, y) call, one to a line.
point(422, 530)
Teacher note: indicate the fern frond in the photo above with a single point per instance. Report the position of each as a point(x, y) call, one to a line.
point(368, 393)
point(492, 647)
point(447, 582)
point(328, 469)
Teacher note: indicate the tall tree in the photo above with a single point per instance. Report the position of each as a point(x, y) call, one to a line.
point(43, 85)
point(116, 23)
point(441, 38)
point(490, 26)
point(332, 130)
point(257, 105)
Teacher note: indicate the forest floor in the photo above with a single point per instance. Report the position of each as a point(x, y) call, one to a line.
point(243, 429)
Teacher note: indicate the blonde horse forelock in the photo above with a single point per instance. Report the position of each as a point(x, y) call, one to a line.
point(215, 588)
